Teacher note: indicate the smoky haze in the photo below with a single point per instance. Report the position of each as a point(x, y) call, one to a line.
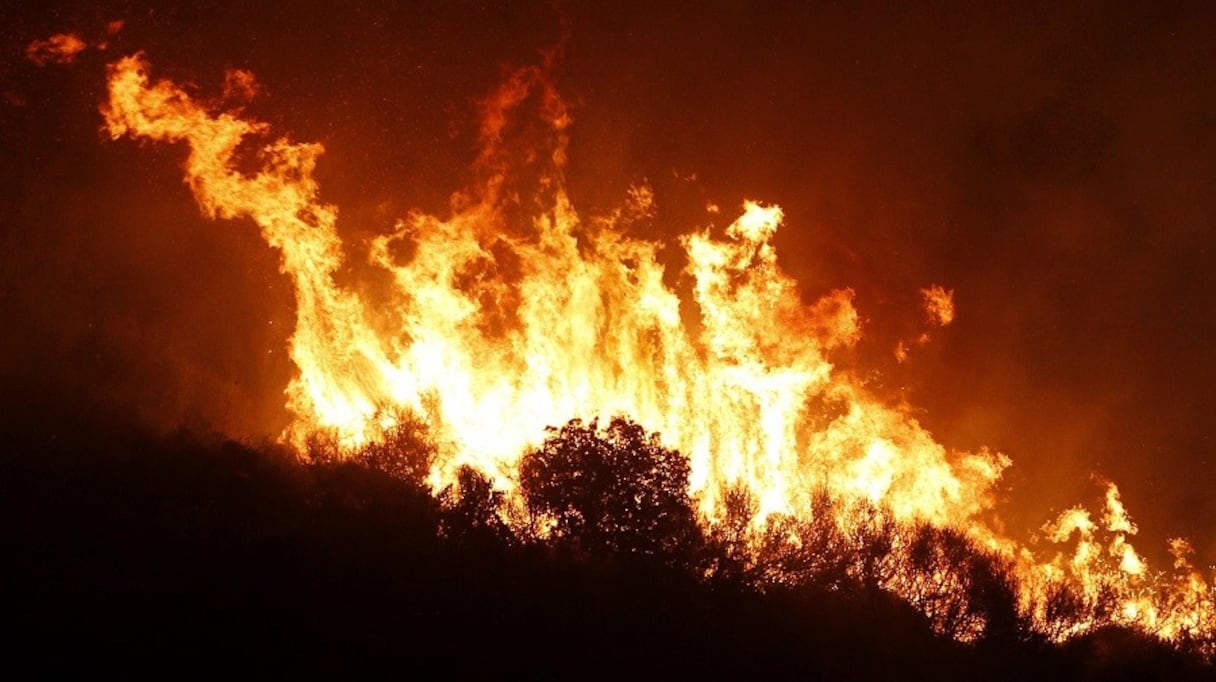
point(1051, 166)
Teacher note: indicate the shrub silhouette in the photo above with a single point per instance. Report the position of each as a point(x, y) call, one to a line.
point(965, 593)
point(612, 490)
point(209, 553)
point(872, 536)
point(731, 558)
point(471, 510)
point(404, 450)
point(784, 550)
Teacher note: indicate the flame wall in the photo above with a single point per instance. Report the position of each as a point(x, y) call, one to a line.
point(1051, 176)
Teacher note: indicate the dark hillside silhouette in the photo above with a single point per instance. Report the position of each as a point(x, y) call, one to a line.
point(188, 555)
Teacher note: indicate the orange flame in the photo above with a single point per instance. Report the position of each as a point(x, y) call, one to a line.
point(939, 305)
point(60, 48)
point(513, 312)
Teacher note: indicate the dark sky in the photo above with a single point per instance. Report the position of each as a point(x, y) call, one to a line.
point(1053, 165)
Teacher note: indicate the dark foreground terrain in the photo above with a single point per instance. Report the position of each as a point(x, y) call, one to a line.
point(188, 555)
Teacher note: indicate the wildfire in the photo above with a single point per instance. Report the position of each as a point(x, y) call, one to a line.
point(512, 312)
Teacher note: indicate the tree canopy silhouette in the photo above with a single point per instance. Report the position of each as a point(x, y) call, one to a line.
point(471, 509)
point(613, 489)
point(404, 450)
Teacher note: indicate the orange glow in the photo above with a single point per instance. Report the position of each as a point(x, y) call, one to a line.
point(499, 326)
point(939, 305)
point(60, 48)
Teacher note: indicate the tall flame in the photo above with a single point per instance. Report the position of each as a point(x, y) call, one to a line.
point(513, 312)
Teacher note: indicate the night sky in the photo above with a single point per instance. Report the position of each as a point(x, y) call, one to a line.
point(1052, 165)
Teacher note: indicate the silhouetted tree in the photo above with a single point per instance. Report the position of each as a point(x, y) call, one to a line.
point(321, 448)
point(871, 534)
point(965, 593)
point(612, 489)
point(809, 551)
point(1063, 609)
point(471, 509)
point(403, 450)
point(731, 558)
point(835, 546)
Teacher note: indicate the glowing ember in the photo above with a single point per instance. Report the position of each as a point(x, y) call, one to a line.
point(60, 48)
point(939, 305)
